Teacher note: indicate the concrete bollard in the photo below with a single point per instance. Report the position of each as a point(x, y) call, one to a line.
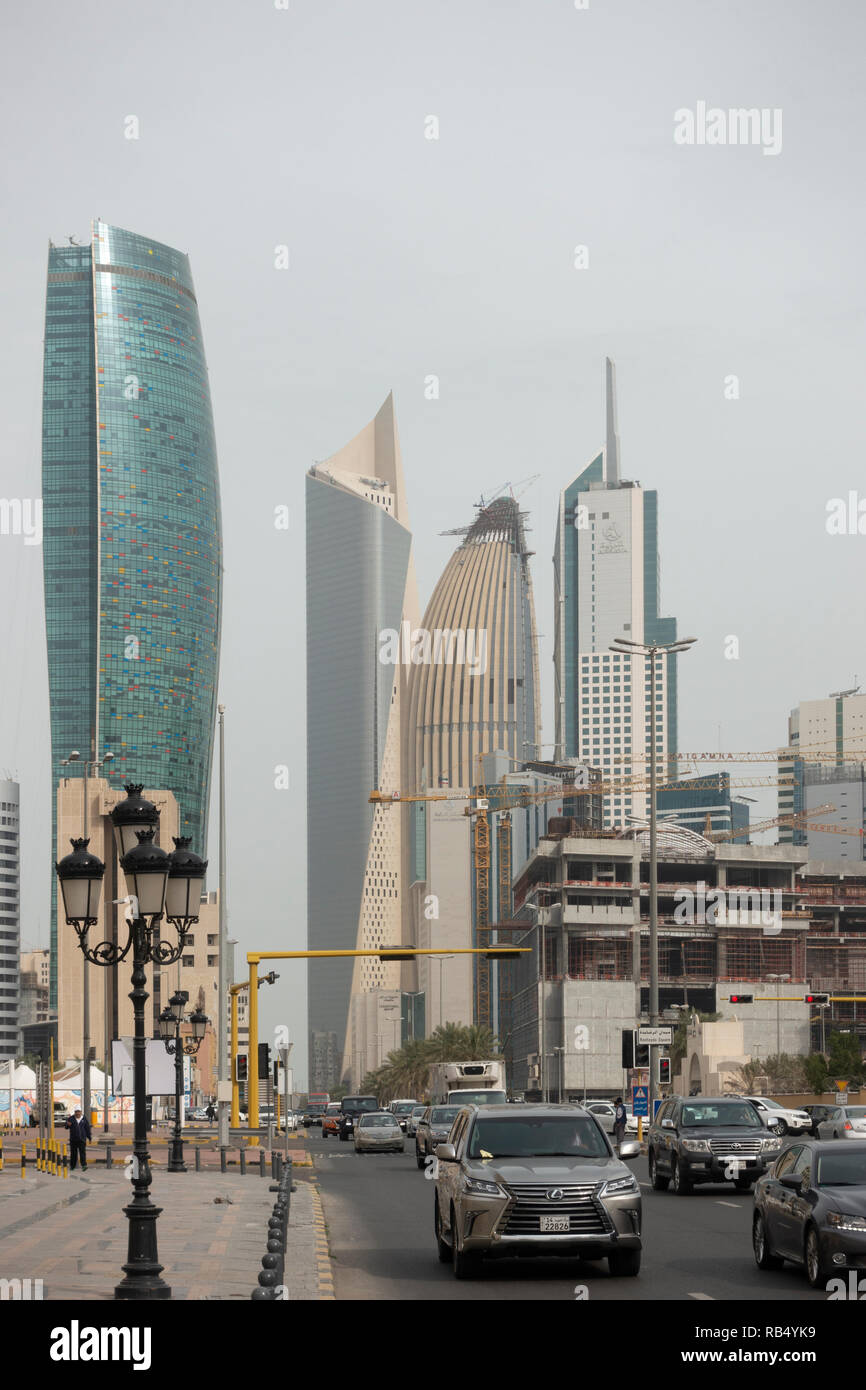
point(262, 1162)
point(197, 1159)
point(243, 1161)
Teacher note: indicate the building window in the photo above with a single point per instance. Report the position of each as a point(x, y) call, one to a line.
point(188, 961)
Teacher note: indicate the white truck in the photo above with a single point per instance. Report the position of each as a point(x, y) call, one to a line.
point(468, 1083)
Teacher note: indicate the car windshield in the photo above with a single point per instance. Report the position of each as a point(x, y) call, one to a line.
point(444, 1114)
point(482, 1097)
point(730, 1113)
point(536, 1137)
point(855, 1112)
point(378, 1122)
point(418, 1109)
point(355, 1105)
point(771, 1104)
point(404, 1108)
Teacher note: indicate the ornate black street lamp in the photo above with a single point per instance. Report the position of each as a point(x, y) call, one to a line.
point(170, 1021)
point(147, 869)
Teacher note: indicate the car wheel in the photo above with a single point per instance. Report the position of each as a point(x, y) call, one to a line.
point(658, 1183)
point(681, 1186)
point(624, 1263)
point(442, 1246)
point(419, 1157)
point(815, 1271)
point(782, 1128)
point(764, 1258)
point(464, 1266)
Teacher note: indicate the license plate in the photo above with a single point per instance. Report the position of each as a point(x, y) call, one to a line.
point(555, 1223)
point(742, 1160)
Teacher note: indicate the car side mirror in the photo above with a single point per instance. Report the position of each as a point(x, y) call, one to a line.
point(792, 1180)
point(668, 1124)
point(629, 1148)
point(446, 1153)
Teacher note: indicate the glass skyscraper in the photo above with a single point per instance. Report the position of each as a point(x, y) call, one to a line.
point(132, 535)
point(606, 578)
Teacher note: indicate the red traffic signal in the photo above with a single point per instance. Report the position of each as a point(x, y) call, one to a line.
point(817, 999)
point(742, 998)
point(242, 1067)
point(664, 1071)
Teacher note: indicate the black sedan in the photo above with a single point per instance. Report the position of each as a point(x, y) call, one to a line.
point(810, 1208)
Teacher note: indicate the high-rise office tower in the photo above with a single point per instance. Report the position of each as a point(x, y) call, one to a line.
point(475, 685)
point(132, 536)
point(9, 919)
point(475, 691)
point(606, 578)
point(360, 589)
point(829, 735)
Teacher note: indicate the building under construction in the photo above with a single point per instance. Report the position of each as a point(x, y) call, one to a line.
point(733, 919)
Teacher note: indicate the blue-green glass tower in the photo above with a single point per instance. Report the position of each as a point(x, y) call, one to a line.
point(132, 544)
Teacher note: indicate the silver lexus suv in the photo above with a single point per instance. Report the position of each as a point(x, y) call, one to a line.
point(535, 1180)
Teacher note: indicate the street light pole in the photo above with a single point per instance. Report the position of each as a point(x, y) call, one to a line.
point(223, 1106)
point(170, 1021)
point(652, 651)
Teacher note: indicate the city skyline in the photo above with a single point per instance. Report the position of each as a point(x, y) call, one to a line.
point(448, 270)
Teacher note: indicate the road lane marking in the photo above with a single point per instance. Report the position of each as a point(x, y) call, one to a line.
point(720, 1203)
point(708, 1297)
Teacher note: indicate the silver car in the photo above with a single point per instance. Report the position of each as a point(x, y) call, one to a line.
point(604, 1112)
point(413, 1118)
point(535, 1180)
point(378, 1132)
point(844, 1122)
point(433, 1128)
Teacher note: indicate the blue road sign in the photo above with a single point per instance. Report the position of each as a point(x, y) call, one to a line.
point(640, 1100)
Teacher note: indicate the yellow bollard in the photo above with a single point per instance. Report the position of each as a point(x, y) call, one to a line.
point(52, 1162)
point(65, 1161)
point(23, 1160)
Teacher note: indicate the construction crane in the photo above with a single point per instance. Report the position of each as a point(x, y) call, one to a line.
point(793, 819)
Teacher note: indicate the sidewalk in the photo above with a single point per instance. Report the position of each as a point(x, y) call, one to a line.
point(72, 1234)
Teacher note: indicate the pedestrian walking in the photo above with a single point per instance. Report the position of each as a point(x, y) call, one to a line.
point(211, 1112)
point(619, 1119)
point(79, 1133)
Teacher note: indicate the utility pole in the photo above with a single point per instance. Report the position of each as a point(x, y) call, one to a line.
point(222, 1032)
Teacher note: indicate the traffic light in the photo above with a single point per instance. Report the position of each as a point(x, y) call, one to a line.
point(664, 1071)
point(742, 998)
point(817, 999)
point(241, 1067)
point(264, 1061)
point(634, 1054)
point(276, 1073)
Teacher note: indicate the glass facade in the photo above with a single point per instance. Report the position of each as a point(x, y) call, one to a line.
point(132, 534)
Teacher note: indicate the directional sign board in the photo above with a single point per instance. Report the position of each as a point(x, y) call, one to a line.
point(640, 1101)
point(656, 1037)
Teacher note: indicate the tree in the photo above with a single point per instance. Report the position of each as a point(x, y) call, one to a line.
point(845, 1058)
point(817, 1073)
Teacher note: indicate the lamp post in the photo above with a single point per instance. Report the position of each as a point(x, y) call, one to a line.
point(651, 651)
point(170, 1021)
point(156, 886)
point(779, 981)
point(87, 764)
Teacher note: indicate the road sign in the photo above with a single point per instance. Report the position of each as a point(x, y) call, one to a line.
point(640, 1101)
point(656, 1037)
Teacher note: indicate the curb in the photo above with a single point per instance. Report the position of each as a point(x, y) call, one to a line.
point(324, 1269)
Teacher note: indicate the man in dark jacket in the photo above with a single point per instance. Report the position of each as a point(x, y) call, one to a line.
point(619, 1121)
point(79, 1133)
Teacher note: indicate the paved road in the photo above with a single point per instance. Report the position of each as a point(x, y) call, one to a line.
point(379, 1214)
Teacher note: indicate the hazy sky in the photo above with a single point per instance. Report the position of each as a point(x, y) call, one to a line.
point(261, 127)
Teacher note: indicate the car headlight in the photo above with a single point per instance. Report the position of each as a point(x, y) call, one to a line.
point(619, 1186)
point(770, 1145)
point(482, 1188)
point(696, 1146)
point(843, 1222)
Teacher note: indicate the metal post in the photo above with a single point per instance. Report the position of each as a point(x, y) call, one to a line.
point(222, 1031)
point(542, 1021)
point(236, 1108)
point(175, 1157)
point(778, 1018)
point(85, 992)
point(654, 890)
point(142, 1269)
point(253, 1066)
